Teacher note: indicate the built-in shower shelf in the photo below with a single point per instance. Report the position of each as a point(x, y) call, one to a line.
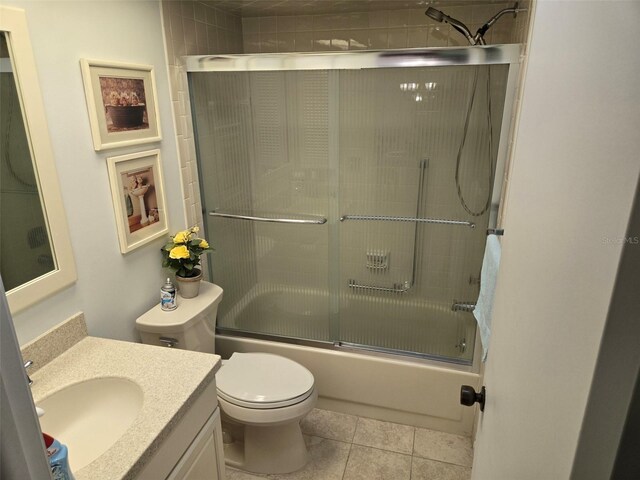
point(377, 261)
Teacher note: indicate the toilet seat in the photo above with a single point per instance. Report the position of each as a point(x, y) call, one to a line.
point(268, 417)
point(263, 381)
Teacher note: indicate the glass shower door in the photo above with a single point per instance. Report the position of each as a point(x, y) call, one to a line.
point(413, 145)
point(350, 206)
point(263, 149)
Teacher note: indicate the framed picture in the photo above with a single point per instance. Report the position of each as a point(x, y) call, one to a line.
point(122, 103)
point(139, 203)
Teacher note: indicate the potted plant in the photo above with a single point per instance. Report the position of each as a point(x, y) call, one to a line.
point(182, 254)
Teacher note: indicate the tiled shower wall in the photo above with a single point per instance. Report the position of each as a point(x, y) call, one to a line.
point(194, 28)
point(198, 28)
point(401, 28)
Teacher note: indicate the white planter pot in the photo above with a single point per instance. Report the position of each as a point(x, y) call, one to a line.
point(189, 287)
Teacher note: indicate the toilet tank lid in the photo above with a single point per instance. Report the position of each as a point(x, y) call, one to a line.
point(188, 312)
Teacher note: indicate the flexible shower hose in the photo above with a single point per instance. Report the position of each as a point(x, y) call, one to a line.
point(464, 139)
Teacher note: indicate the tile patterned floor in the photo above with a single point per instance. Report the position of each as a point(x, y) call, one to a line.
point(346, 447)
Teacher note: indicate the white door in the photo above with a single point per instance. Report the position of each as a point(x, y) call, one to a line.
point(572, 183)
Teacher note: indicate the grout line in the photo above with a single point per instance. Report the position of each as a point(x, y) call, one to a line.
point(327, 438)
point(413, 444)
point(387, 451)
point(442, 461)
point(411, 468)
point(355, 429)
point(413, 450)
point(344, 472)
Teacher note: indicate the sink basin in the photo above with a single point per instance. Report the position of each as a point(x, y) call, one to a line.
point(89, 417)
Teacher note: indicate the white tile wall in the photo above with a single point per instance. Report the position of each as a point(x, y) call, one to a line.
point(193, 28)
point(399, 28)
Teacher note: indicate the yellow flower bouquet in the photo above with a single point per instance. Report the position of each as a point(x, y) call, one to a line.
point(182, 252)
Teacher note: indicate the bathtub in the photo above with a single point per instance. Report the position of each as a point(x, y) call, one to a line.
point(390, 387)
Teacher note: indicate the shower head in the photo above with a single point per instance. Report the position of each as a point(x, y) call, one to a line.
point(478, 38)
point(437, 15)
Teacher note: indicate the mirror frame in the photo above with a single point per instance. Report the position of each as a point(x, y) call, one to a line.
point(13, 23)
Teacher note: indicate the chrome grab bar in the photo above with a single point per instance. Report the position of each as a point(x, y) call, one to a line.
point(407, 219)
point(304, 221)
point(463, 306)
point(397, 287)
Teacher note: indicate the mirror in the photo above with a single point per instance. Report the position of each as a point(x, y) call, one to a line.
point(35, 250)
point(25, 249)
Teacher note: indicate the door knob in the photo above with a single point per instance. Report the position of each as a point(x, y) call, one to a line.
point(468, 396)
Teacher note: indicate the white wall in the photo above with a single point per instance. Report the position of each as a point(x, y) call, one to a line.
point(575, 170)
point(112, 289)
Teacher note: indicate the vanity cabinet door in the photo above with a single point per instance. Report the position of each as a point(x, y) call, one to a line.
point(204, 459)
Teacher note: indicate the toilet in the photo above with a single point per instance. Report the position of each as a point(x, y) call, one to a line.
point(262, 396)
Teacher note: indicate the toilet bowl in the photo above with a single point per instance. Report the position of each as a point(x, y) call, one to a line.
point(268, 395)
point(262, 396)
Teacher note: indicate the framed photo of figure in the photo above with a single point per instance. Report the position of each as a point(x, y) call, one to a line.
point(122, 103)
point(139, 203)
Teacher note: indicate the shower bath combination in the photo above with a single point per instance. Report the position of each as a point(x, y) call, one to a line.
point(478, 38)
point(330, 195)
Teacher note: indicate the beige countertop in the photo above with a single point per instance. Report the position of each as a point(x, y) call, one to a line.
point(171, 381)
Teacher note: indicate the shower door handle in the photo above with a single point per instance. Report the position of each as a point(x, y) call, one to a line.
point(387, 218)
point(311, 220)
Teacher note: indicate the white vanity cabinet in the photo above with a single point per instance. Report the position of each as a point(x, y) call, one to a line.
point(193, 450)
point(204, 459)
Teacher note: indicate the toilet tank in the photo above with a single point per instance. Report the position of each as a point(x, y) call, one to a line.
point(191, 326)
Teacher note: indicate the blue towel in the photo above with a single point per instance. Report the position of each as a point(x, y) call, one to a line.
point(484, 306)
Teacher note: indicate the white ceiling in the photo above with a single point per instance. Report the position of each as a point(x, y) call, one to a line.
point(260, 8)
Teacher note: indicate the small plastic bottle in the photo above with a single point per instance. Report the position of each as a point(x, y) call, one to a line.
point(58, 458)
point(168, 296)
